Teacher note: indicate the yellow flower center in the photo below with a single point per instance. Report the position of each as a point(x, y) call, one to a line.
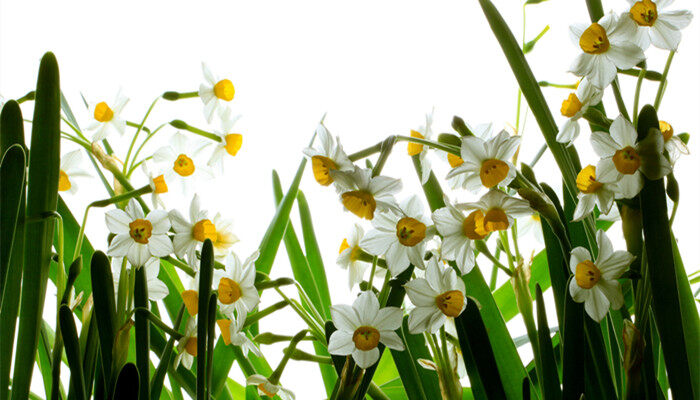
point(203, 230)
point(229, 291)
point(450, 303)
point(496, 220)
point(666, 130)
point(234, 141)
point(587, 274)
point(160, 185)
point(410, 231)
point(644, 13)
point(627, 160)
point(322, 167)
point(455, 161)
point(366, 338)
point(594, 40)
point(191, 300)
point(354, 253)
point(103, 113)
point(63, 181)
point(140, 230)
point(585, 180)
point(225, 328)
point(492, 172)
point(263, 389)
point(224, 90)
point(184, 165)
point(191, 346)
point(571, 106)
point(473, 225)
point(360, 203)
point(415, 148)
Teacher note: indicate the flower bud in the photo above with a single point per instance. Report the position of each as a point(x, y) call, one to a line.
point(672, 188)
point(179, 124)
point(461, 128)
point(450, 139)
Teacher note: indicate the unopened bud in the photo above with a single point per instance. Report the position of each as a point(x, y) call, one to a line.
point(172, 96)
point(528, 173)
point(672, 188)
point(450, 139)
point(461, 128)
point(179, 124)
point(110, 163)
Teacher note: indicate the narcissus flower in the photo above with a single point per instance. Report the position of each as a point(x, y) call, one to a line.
point(70, 169)
point(595, 283)
point(498, 210)
point(486, 163)
point(138, 237)
point(180, 160)
point(458, 231)
point(483, 131)
point(328, 158)
point(623, 159)
point(190, 297)
point(157, 290)
point(231, 333)
point(348, 257)
point(187, 346)
point(650, 23)
point(215, 93)
point(106, 118)
point(591, 193)
point(363, 194)
point(672, 143)
point(438, 296)
point(269, 389)
point(400, 236)
point(423, 132)
point(362, 327)
point(236, 286)
point(606, 47)
point(230, 142)
point(158, 185)
point(573, 108)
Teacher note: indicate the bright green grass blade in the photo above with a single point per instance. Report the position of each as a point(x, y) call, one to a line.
point(75, 360)
point(549, 381)
point(42, 194)
point(418, 382)
point(142, 332)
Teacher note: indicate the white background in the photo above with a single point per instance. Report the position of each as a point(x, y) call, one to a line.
point(375, 67)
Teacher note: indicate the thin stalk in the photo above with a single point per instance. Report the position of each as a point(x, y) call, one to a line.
point(637, 90)
point(506, 249)
point(514, 234)
point(136, 135)
point(662, 82)
point(183, 125)
point(179, 264)
point(150, 135)
point(483, 249)
point(539, 154)
point(618, 99)
point(372, 271)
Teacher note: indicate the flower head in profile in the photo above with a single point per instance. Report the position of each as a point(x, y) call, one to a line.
point(486, 162)
point(232, 333)
point(230, 142)
point(458, 231)
point(187, 346)
point(400, 236)
point(573, 108)
point(362, 194)
point(672, 143)
point(236, 286)
point(157, 184)
point(498, 210)
point(328, 158)
point(605, 47)
point(483, 131)
point(362, 327)
point(423, 132)
point(623, 159)
point(437, 296)
point(530, 225)
point(181, 163)
point(215, 93)
point(157, 290)
point(106, 118)
point(592, 192)
point(190, 297)
point(269, 389)
point(595, 282)
point(651, 23)
point(138, 237)
point(348, 256)
point(70, 169)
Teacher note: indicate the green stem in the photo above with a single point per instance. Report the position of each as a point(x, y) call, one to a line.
point(172, 96)
point(539, 154)
point(179, 124)
point(277, 373)
point(662, 82)
point(365, 152)
point(137, 126)
point(181, 265)
point(483, 249)
point(136, 135)
point(372, 271)
point(158, 322)
point(506, 249)
point(618, 99)
point(637, 90)
point(557, 85)
point(649, 75)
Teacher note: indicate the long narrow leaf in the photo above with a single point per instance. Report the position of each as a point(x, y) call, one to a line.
point(142, 331)
point(127, 385)
point(75, 360)
point(105, 312)
point(418, 382)
point(549, 381)
point(206, 268)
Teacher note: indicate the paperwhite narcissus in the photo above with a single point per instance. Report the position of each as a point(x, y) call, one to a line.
point(106, 118)
point(362, 327)
point(215, 93)
point(236, 286)
point(400, 236)
point(606, 47)
point(595, 283)
point(69, 170)
point(230, 142)
point(458, 231)
point(497, 210)
point(591, 193)
point(423, 132)
point(438, 296)
point(157, 184)
point(138, 237)
point(650, 23)
point(530, 225)
point(181, 163)
point(486, 163)
point(187, 346)
point(231, 333)
point(573, 108)
point(672, 143)
point(622, 158)
point(157, 290)
point(363, 194)
point(190, 297)
point(269, 389)
point(348, 256)
point(483, 131)
point(327, 159)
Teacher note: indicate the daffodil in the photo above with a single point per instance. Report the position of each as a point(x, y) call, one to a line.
point(591, 193)
point(423, 132)
point(362, 327)
point(348, 256)
point(498, 210)
point(327, 159)
point(400, 236)
point(486, 163)
point(622, 158)
point(236, 286)
point(595, 283)
point(269, 389)
point(437, 296)
point(70, 169)
point(181, 161)
point(138, 237)
point(458, 231)
point(606, 47)
point(215, 93)
point(650, 23)
point(230, 142)
point(672, 143)
point(483, 131)
point(158, 186)
point(187, 345)
point(573, 108)
point(231, 333)
point(363, 194)
point(106, 118)
point(157, 290)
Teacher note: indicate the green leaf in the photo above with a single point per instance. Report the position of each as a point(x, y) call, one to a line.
point(505, 296)
point(11, 189)
point(127, 385)
point(70, 341)
point(206, 268)
point(418, 382)
point(142, 331)
point(156, 385)
point(549, 381)
point(42, 194)
point(104, 312)
point(90, 350)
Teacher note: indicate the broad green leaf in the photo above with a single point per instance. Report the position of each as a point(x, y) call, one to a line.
point(75, 360)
